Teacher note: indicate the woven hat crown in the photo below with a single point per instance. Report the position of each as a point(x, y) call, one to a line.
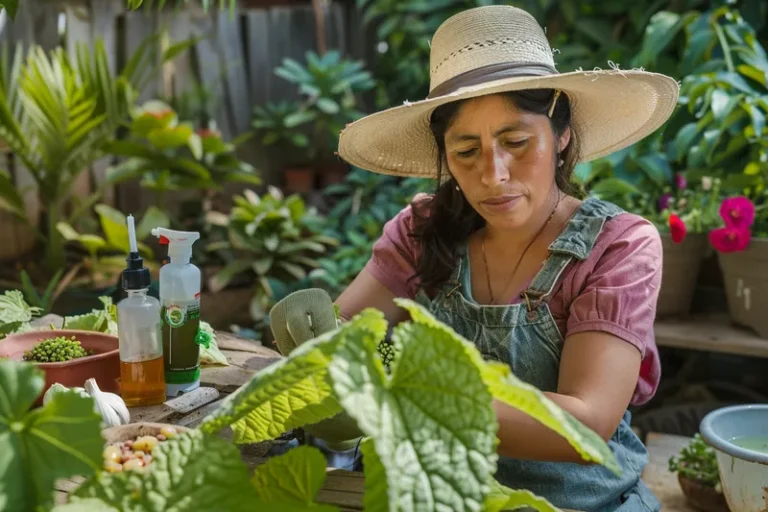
point(485, 36)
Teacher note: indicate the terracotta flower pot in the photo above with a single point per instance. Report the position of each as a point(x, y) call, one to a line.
point(103, 365)
point(701, 496)
point(746, 285)
point(679, 273)
point(299, 179)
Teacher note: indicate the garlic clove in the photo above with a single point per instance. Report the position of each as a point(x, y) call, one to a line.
point(110, 406)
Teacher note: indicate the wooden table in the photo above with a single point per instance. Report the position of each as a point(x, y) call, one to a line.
point(342, 488)
point(657, 476)
point(710, 334)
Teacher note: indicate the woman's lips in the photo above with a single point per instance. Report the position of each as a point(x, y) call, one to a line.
point(501, 203)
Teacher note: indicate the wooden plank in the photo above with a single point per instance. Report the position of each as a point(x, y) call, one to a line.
point(228, 341)
point(280, 34)
point(713, 334)
point(193, 419)
point(657, 476)
point(243, 365)
point(104, 14)
point(230, 40)
point(258, 50)
point(209, 63)
point(172, 410)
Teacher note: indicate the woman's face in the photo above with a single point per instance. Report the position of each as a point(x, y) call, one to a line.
point(503, 160)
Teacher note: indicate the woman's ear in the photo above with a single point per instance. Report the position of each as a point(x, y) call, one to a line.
point(564, 139)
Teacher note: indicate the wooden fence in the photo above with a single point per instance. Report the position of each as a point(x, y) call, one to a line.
point(234, 61)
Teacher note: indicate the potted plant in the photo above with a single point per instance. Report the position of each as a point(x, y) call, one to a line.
point(271, 242)
point(329, 86)
point(683, 217)
point(741, 243)
point(697, 474)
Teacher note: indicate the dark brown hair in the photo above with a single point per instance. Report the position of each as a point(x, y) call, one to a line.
point(444, 221)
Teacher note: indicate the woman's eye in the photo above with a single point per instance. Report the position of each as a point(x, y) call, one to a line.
point(517, 143)
point(466, 153)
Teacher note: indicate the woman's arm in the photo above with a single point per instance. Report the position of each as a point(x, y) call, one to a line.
point(367, 292)
point(598, 375)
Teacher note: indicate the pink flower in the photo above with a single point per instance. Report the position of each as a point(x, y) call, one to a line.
point(664, 201)
point(730, 239)
point(737, 212)
point(677, 228)
point(680, 181)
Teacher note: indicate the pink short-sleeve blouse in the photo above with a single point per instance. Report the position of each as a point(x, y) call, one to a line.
point(623, 271)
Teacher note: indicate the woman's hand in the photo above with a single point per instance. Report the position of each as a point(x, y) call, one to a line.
point(598, 375)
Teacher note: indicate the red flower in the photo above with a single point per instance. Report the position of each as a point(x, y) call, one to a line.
point(677, 228)
point(737, 212)
point(730, 239)
point(207, 132)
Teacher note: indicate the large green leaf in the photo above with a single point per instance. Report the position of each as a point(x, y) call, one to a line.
point(191, 472)
point(12, 6)
point(293, 478)
point(522, 396)
point(60, 440)
point(432, 423)
point(503, 498)
point(154, 217)
point(290, 393)
point(14, 312)
point(115, 227)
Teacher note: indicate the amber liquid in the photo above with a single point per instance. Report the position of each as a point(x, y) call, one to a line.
point(142, 383)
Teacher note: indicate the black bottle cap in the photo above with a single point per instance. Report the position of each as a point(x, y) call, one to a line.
point(135, 275)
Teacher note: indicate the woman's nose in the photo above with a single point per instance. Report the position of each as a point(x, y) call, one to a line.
point(495, 167)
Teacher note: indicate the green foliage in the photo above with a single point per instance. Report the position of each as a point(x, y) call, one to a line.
point(105, 256)
point(100, 320)
point(420, 452)
point(363, 203)
point(716, 139)
point(14, 312)
point(38, 446)
point(11, 7)
point(294, 478)
point(328, 85)
point(57, 112)
point(273, 238)
point(170, 155)
point(170, 485)
point(697, 461)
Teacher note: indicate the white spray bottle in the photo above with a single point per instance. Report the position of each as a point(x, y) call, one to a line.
point(180, 283)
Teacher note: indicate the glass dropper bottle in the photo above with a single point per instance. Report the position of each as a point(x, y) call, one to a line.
point(142, 372)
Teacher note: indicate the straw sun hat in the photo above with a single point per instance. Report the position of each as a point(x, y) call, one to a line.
point(495, 49)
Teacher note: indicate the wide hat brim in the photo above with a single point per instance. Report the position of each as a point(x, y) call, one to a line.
point(611, 110)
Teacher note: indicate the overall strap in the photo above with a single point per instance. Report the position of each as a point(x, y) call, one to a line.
point(575, 242)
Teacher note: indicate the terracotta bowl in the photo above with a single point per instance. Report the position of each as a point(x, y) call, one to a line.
point(103, 365)
point(702, 497)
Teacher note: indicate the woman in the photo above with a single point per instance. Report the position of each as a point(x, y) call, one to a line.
point(507, 255)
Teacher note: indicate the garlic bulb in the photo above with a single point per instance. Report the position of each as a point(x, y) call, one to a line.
point(57, 388)
point(110, 406)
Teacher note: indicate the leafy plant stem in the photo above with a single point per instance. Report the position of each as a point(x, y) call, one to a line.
point(726, 48)
point(54, 250)
point(86, 205)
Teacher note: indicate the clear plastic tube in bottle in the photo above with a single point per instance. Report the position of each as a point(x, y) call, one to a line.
point(142, 372)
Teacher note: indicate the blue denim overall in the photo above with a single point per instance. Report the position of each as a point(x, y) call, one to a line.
point(526, 337)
